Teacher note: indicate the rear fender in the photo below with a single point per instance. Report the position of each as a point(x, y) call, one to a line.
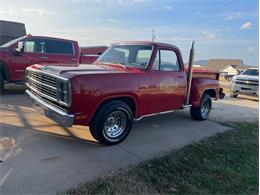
point(201, 86)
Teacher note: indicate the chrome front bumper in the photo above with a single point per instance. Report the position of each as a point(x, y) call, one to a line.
point(57, 115)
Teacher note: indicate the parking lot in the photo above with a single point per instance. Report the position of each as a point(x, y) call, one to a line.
point(39, 156)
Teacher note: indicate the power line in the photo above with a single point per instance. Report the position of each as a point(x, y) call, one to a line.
point(186, 17)
point(203, 18)
point(206, 17)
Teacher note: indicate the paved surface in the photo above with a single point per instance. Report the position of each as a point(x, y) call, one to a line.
point(41, 157)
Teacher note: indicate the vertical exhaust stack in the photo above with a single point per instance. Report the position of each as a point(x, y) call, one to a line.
point(189, 77)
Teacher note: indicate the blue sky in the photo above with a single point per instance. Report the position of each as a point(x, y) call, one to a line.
point(221, 28)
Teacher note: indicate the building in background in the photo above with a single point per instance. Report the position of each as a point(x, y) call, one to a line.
point(11, 30)
point(226, 67)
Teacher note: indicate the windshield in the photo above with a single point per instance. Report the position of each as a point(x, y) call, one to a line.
point(252, 72)
point(13, 42)
point(127, 55)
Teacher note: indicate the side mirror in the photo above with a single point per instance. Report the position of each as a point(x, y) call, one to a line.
point(20, 47)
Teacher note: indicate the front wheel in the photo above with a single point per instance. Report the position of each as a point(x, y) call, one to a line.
point(112, 123)
point(202, 112)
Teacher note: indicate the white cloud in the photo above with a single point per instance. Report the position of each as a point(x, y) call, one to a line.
point(120, 2)
point(130, 2)
point(246, 25)
point(36, 12)
point(168, 7)
point(209, 35)
point(139, 1)
point(229, 18)
point(28, 12)
point(250, 49)
point(233, 16)
point(112, 20)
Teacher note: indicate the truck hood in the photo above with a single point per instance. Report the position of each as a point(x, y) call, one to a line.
point(247, 77)
point(86, 69)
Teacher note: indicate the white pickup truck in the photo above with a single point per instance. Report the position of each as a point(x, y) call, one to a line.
point(247, 82)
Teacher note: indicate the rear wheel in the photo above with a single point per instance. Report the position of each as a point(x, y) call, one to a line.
point(112, 123)
point(2, 82)
point(202, 112)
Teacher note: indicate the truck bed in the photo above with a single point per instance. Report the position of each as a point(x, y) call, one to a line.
point(204, 73)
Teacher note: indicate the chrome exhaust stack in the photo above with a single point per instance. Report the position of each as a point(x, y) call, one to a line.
point(189, 76)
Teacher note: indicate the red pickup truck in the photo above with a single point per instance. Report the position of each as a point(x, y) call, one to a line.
point(20, 53)
point(131, 80)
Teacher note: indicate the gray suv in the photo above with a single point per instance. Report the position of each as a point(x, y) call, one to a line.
point(247, 82)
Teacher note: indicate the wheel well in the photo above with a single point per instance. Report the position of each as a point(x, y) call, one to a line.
point(128, 100)
point(3, 70)
point(210, 92)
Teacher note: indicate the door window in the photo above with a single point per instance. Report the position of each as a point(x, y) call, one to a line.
point(143, 57)
point(35, 46)
point(29, 46)
point(48, 46)
point(166, 60)
point(59, 47)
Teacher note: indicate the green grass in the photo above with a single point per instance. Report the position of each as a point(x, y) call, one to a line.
point(224, 164)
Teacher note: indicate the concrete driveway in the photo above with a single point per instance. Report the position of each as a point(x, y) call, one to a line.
point(38, 156)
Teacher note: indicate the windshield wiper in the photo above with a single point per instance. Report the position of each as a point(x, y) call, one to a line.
point(111, 63)
point(118, 63)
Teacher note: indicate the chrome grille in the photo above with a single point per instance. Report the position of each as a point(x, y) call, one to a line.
point(247, 82)
point(48, 86)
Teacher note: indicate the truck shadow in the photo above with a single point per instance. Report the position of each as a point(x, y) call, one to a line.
point(16, 113)
point(14, 89)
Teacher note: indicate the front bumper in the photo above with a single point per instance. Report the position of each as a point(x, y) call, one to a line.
point(57, 115)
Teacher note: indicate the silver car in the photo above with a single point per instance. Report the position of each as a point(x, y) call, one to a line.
point(247, 82)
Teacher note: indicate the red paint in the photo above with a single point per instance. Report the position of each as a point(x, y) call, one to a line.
point(96, 50)
point(151, 91)
point(13, 66)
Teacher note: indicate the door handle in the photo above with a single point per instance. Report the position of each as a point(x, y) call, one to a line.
point(180, 77)
point(74, 60)
point(44, 57)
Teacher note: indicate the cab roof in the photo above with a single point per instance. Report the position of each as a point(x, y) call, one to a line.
point(145, 43)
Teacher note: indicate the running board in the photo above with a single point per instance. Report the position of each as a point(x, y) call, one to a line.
point(186, 106)
point(160, 113)
point(154, 114)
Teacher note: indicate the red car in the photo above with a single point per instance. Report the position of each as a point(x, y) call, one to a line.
point(131, 80)
point(20, 53)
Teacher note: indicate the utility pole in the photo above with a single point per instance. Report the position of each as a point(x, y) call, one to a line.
point(153, 35)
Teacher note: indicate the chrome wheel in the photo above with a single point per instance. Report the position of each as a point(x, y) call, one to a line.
point(115, 124)
point(205, 109)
